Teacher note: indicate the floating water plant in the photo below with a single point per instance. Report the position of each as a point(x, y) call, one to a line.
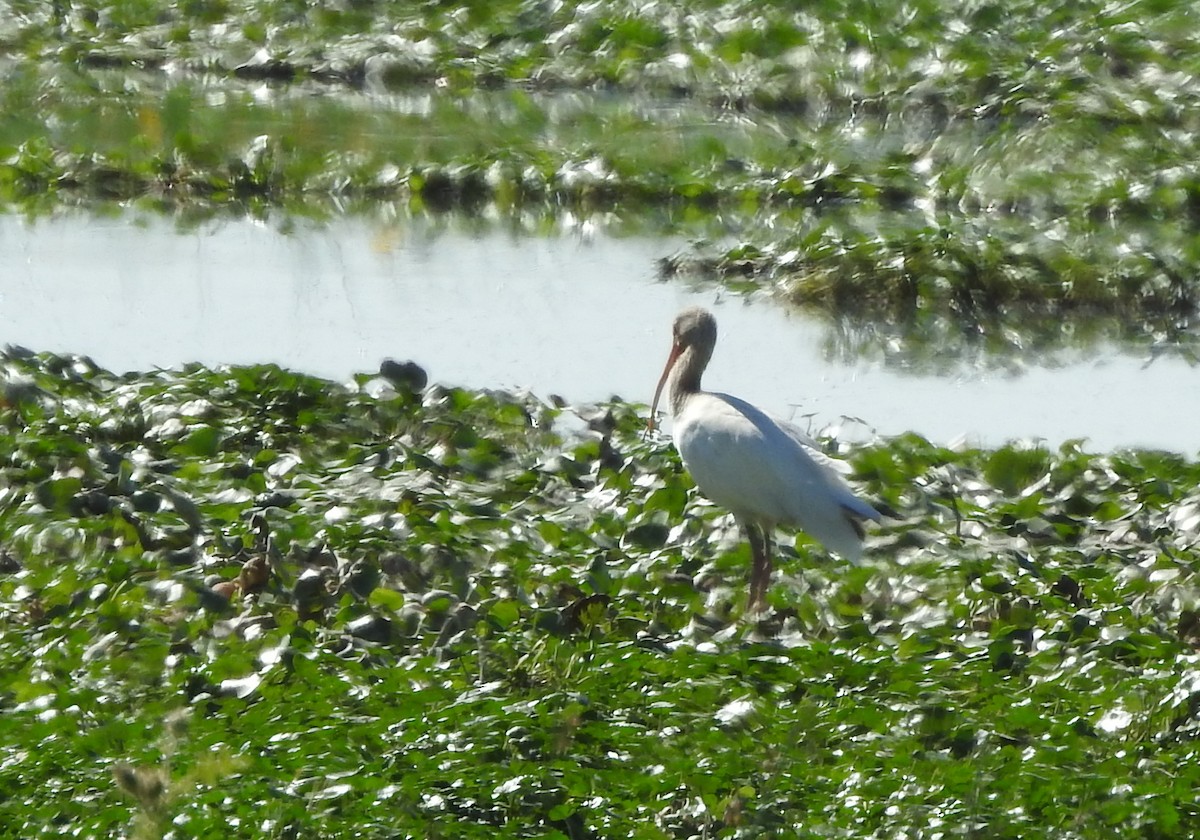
point(488, 614)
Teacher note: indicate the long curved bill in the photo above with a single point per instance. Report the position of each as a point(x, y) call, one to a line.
point(676, 349)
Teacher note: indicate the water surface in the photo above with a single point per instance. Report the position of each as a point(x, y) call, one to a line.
point(578, 313)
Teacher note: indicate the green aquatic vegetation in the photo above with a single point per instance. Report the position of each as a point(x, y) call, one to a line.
point(1004, 286)
point(999, 59)
point(389, 610)
point(118, 136)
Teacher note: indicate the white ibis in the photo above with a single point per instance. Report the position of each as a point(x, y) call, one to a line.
point(765, 471)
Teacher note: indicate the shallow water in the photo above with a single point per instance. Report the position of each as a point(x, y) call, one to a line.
point(577, 313)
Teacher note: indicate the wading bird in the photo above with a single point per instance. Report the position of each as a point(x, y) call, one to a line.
point(765, 471)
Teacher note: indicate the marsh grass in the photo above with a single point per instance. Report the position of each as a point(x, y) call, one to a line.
point(157, 791)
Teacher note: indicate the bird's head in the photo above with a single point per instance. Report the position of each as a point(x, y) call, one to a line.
point(694, 334)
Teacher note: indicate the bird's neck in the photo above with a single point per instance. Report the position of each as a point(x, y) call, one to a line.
point(685, 378)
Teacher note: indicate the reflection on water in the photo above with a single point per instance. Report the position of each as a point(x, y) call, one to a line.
point(575, 312)
point(936, 345)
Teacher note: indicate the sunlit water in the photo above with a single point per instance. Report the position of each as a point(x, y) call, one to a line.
point(579, 314)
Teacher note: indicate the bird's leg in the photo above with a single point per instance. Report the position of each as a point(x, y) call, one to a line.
point(760, 570)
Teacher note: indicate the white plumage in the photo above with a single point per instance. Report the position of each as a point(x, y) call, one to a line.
point(765, 471)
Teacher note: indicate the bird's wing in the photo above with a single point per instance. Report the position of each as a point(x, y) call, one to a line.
point(834, 470)
point(835, 465)
point(746, 461)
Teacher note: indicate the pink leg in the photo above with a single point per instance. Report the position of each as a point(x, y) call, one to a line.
point(760, 571)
